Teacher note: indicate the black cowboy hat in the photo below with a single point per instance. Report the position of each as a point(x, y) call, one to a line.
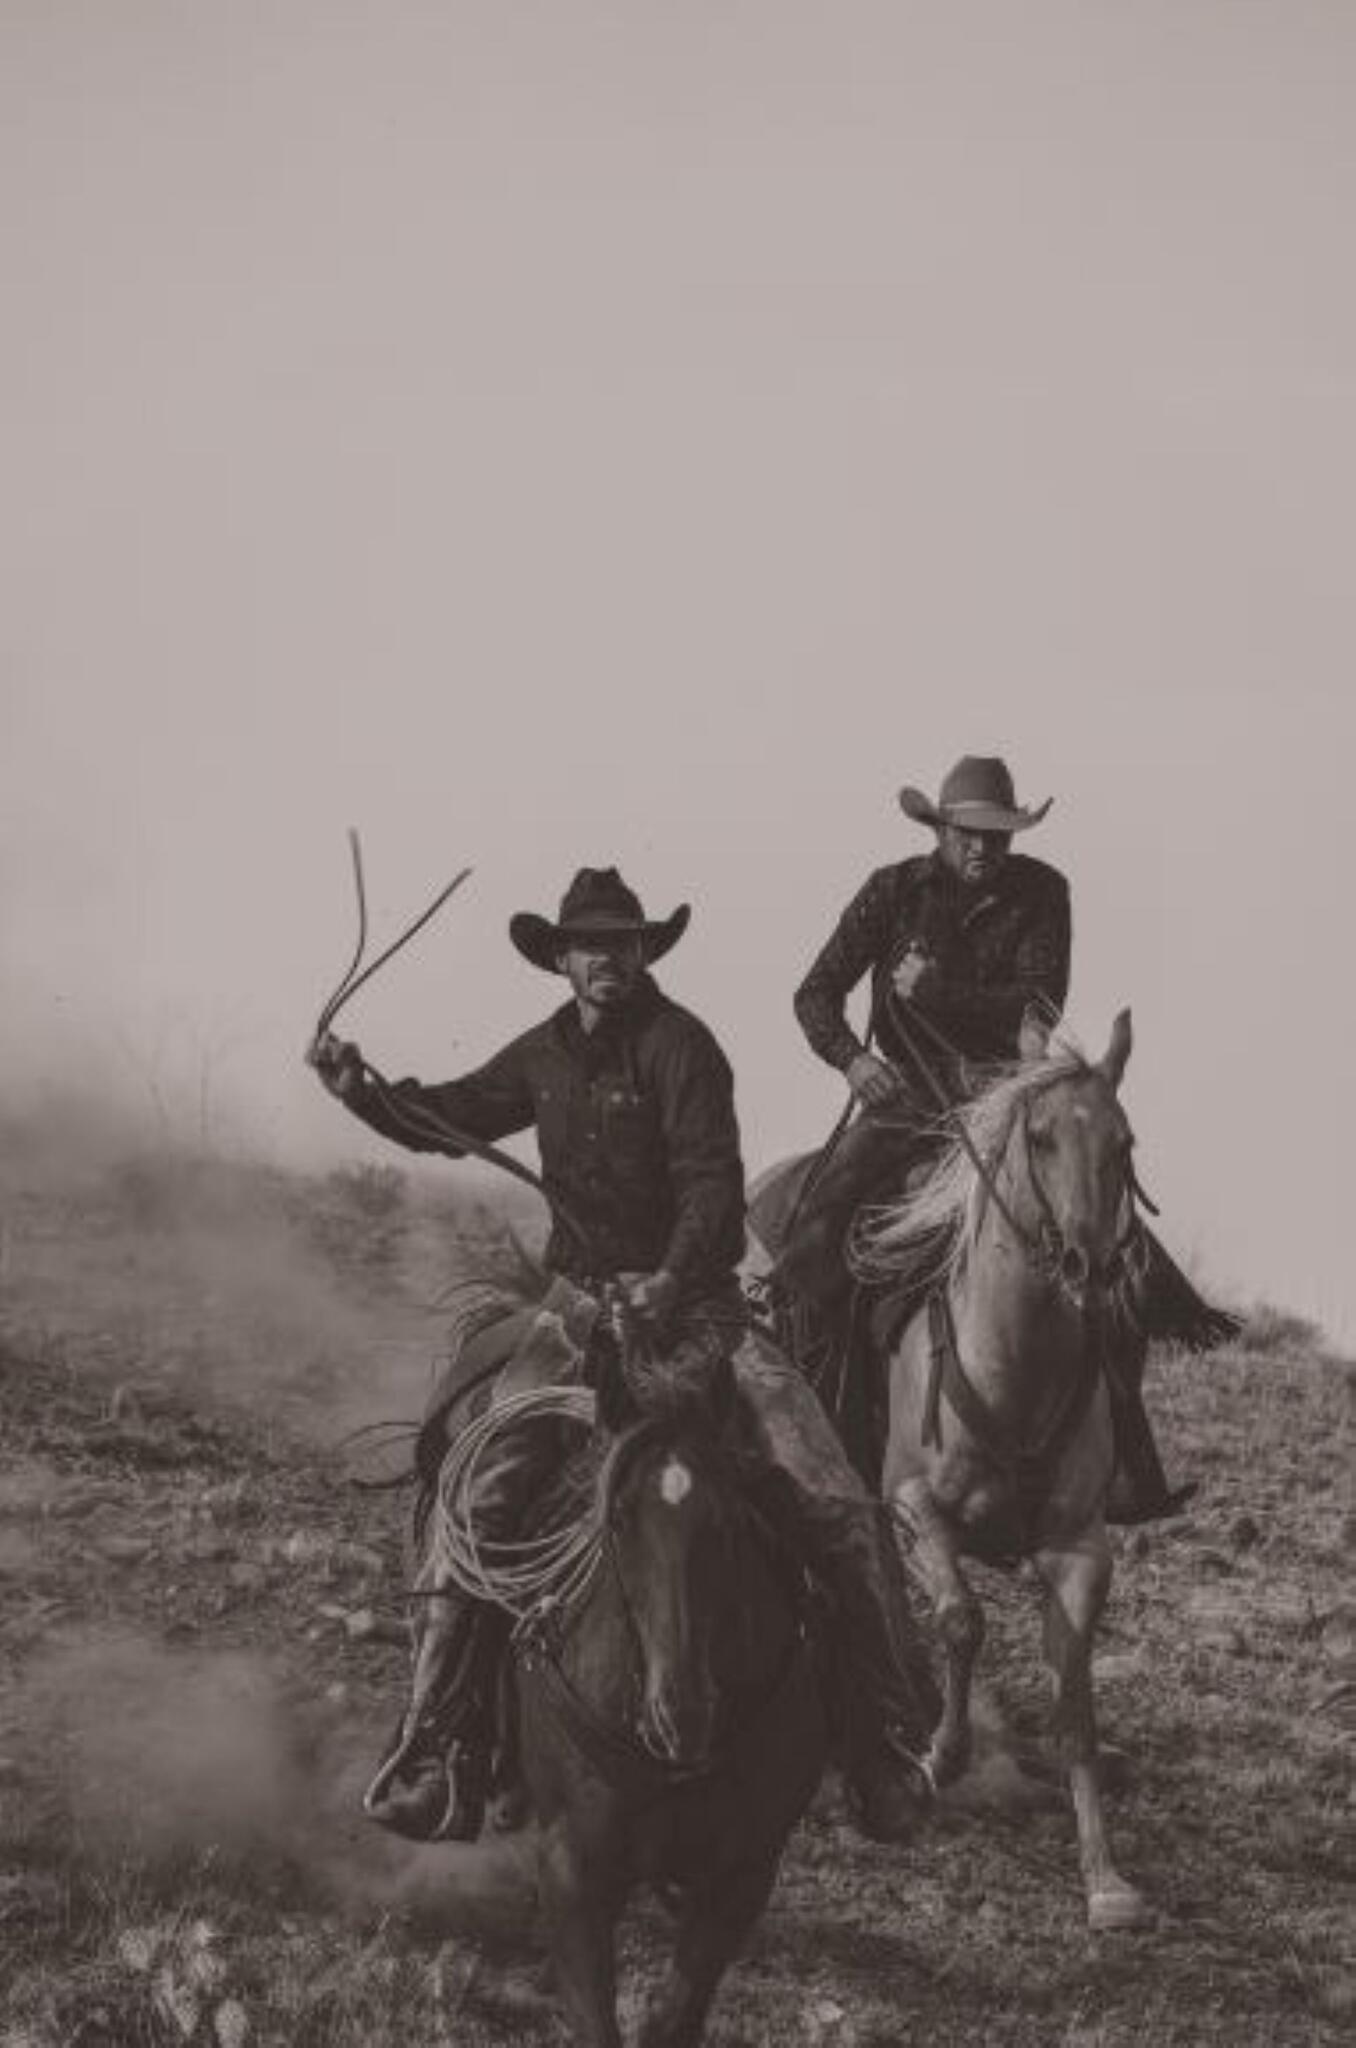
point(597, 901)
point(977, 794)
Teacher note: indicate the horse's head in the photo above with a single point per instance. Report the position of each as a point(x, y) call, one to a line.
point(1076, 1143)
point(674, 1514)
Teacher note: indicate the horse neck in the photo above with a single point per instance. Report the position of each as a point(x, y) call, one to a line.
point(601, 1651)
point(1016, 1332)
point(598, 1653)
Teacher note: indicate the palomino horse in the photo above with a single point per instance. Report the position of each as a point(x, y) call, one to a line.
point(1000, 1430)
point(1013, 1254)
point(671, 1720)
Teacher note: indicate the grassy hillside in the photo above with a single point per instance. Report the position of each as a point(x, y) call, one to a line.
point(200, 1649)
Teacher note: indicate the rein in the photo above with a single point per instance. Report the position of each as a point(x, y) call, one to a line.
point(905, 1027)
point(618, 1752)
point(1046, 1249)
point(1052, 1252)
point(1027, 1464)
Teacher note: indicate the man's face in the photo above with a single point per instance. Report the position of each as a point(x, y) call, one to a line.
point(603, 967)
point(973, 857)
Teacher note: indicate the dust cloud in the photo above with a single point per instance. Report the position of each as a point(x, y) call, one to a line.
point(137, 1755)
point(317, 1298)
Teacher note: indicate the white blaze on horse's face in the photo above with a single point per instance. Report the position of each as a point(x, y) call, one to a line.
point(675, 1483)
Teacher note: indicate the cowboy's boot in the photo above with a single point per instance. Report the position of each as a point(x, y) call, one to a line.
point(434, 1778)
point(838, 1531)
point(887, 1700)
point(1139, 1486)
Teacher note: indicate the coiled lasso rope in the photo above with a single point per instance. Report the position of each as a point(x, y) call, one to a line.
point(528, 1576)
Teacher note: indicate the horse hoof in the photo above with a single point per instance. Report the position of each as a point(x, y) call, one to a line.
point(508, 1811)
point(1115, 1769)
point(1116, 1907)
point(946, 1764)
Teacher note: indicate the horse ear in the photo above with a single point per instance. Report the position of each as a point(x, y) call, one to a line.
point(1113, 1061)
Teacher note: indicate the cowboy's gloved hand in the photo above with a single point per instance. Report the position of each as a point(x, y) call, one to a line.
point(873, 1081)
point(651, 1296)
point(913, 972)
point(338, 1063)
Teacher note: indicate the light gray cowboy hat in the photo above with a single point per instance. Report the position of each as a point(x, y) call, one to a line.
point(597, 900)
point(977, 794)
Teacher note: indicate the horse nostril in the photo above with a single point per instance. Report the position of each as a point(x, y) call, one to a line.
point(1075, 1266)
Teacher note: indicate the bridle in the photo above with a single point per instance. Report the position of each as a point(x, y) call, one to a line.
point(1071, 1267)
point(627, 1752)
point(1085, 1285)
point(1047, 1250)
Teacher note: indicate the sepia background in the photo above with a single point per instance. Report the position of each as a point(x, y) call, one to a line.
point(546, 434)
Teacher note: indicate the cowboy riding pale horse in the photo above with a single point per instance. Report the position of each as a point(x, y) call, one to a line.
point(1000, 1391)
point(1001, 1381)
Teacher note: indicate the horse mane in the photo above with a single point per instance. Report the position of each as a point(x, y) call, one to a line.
point(930, 1232)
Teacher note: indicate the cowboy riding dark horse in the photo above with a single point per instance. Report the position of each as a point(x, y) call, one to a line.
point(967, 949)
point(632, 1101)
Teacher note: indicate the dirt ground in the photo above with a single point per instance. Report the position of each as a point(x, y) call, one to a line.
point(201, 1647)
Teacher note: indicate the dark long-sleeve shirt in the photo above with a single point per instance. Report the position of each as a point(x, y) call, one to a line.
point(635, 1125)
point(998, 950)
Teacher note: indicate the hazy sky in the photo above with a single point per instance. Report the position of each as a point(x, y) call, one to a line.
point(560, 433)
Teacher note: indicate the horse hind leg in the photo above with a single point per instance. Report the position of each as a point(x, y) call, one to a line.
point(716, 1919)
point(1076, 1582)
point(929, 1554)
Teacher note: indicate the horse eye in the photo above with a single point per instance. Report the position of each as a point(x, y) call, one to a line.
point(1043, 1140)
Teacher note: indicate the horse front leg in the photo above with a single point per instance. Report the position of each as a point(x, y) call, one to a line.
point(716, 1919)
point(1076, 1579)
point(580, 1905)
point(928, 1549)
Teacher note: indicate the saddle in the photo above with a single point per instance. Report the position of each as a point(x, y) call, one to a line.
point(843, 1349)
point(475, 1365)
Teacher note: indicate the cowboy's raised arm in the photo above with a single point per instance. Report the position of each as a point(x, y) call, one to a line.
point(489, 1103)
point(1040, 976)
point(861, 938)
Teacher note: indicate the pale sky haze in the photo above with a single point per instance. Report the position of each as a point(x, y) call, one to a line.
point(562, 433)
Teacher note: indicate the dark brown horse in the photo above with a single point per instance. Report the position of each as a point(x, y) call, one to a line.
point(672, 1725)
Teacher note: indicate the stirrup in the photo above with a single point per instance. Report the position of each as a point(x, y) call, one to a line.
point(442, 1799)
point(889, 1801)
